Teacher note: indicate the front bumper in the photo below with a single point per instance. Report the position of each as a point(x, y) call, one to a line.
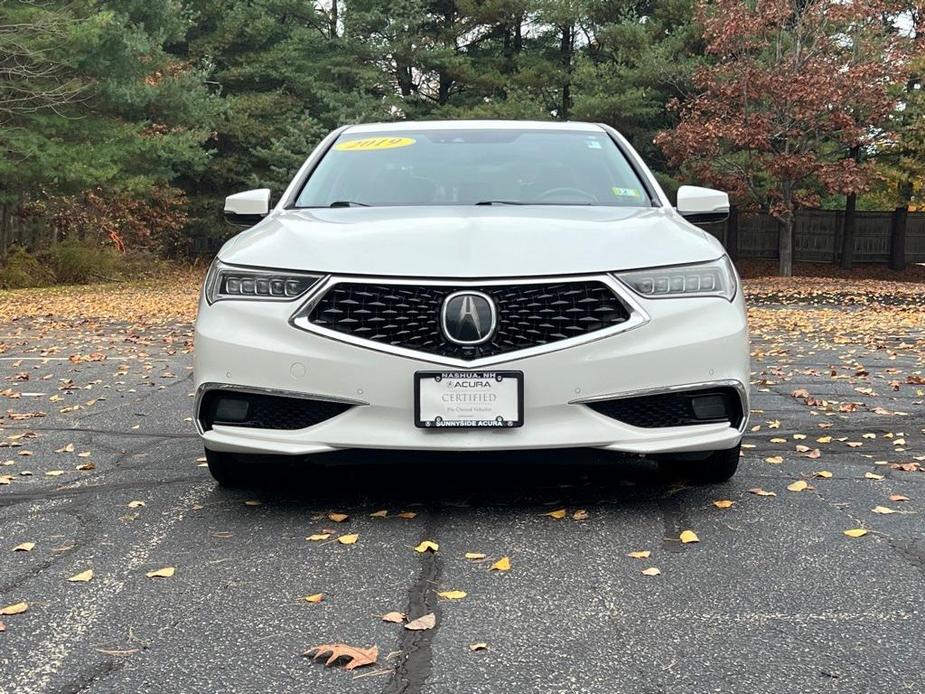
point(685, 342)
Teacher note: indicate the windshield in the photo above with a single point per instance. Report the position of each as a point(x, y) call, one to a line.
point(469, 167)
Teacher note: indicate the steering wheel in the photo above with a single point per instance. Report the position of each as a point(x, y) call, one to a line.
point(552, 192)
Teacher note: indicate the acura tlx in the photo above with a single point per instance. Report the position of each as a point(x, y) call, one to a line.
point(473, 285)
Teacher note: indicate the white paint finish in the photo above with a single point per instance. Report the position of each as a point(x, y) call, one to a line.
point(697, 200)
point(249, 202)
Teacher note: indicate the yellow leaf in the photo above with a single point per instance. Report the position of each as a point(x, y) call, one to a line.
point(641, 554)
point(856, 532)
point(83, 454)
point(379, 514)
point(16, 608)
point(580, 515)
point(824, 474)
point(774, 460)
point(314, 598)
point(427, 545)
point(82, 577)
point(477, 556)
point(54, 473)
point(799, 437)
point(318, 536)
point(651, 571)
point(883, 509)
point(253, 502)
point(394, 617)
point(338, 517)
point(136, 504)
point(824, 439)
point(453, 594)
point(778, 440)
point(166, 572)
point(774, 424)
point(869, 436)
point(689, 536)
point(478, 646)
point(24, 547)
point(873, 476)
point(349, 539)
point(503, 564)
point(797, 486)
point(758, 491)
point(407, 515)
point(723, 503)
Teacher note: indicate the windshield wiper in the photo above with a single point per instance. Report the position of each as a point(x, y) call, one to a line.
point(348, 203)
point(499, 202)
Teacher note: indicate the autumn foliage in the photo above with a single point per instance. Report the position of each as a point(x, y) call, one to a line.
point(792, 88)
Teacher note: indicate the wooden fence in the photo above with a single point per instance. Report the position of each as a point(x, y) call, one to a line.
point(817, 236)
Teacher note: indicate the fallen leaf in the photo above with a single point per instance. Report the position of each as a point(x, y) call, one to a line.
point(580, 515)
point(778, 440)
point(66, 449)
point(338, 517)
point(407, 515)
point(379, 514)
point(824, 439)
point(824, 474)
point(253, 502)
point(394, 617)
point(24, 547)
point(813, 454)
point(427, 546)
point(318, 536)
point(82, 577)
point(503, 564)
point(166, 572)
point(651, 571)
point(774, 460)
point(797, 486)
point(428, 621)
point(54, 473)
point(356, 657)
point(86, 466)
point(641, 554)
point(898, 497)
point(883, 509)
point(723, 503)
point(349, 539)
point(2, 627)
point(854, 444)
point(856, 532)
point(758, 491)
point(136, 504)
point(688, 536)
point(873, 476)
point(558, 514)
point(15, 608)
point(476, 556)
point(314, 598)
point(453, 594)
point(478, 646)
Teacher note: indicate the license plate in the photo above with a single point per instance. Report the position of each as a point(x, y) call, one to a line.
point(468, 399)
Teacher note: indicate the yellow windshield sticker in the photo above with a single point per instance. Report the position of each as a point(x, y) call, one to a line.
point(625, 192)
point(369, 144)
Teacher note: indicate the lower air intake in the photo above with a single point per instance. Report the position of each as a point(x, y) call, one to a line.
point(264, 411)
point(683, 408)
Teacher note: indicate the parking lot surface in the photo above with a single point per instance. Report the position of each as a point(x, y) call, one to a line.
point(102, 471)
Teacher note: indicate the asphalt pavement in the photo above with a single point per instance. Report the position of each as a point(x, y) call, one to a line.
point(773, 598)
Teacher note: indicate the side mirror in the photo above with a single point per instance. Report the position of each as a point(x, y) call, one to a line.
point(247, 208)
point(702, 205)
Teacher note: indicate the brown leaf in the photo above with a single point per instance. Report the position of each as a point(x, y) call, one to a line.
point(758, 491)
point(428, 621)
point(407, 515)
point(314, 598)
point(355, 657)
point(24, 547)
point(394, 617)
point(580, 515)
point(338, 517)
point(478, 646)
point(898, 497)
point(723, 503)
point(557, 515)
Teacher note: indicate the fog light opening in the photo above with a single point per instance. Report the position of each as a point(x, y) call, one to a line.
point(231, 410)
point(710, 407)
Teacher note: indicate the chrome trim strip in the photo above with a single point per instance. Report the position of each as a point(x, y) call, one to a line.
point(638, 316)
point(739, 387)
point(206, 387)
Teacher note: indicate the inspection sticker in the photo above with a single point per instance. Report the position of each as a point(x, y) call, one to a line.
point(369, 144)
point(625, 192)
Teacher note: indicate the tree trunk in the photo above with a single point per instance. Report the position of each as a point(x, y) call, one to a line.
point(849, 224)
point(785, 247)
point(4, 229)
point(565, 56)
point(732, 233)
point(898, 238)
point(333, 16)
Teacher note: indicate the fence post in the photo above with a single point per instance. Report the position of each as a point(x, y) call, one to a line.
point(898, 238)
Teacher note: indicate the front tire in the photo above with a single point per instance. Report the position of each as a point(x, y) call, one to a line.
point(225, 470)
point(717, 467)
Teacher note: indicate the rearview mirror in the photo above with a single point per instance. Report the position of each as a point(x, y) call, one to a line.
point(247, 208)
point(702, 205)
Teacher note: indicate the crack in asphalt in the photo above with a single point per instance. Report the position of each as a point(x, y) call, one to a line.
point(416, 646)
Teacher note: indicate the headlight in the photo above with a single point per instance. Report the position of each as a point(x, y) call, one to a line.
point(233, 282)
point(716, 278)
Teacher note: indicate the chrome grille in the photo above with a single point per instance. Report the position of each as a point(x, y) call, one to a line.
point(408, 316)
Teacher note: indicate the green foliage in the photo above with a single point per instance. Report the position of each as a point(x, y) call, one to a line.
point(22, 269)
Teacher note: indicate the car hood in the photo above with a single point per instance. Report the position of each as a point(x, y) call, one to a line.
point(470, 241)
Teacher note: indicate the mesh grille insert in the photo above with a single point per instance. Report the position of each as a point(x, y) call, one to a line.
point(672, 409)
point(528, 315)
point(264, 411)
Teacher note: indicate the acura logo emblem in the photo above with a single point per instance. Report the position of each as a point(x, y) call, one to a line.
point(468, 318)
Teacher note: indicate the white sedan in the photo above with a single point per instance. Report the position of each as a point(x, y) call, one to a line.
point(473, 285)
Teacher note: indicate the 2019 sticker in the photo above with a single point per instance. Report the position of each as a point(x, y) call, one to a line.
point(370, 144)
point(625, 192)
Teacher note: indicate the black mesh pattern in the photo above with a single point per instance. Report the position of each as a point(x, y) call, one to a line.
point(529, 315)
point(269, 411)
point(669, 409)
